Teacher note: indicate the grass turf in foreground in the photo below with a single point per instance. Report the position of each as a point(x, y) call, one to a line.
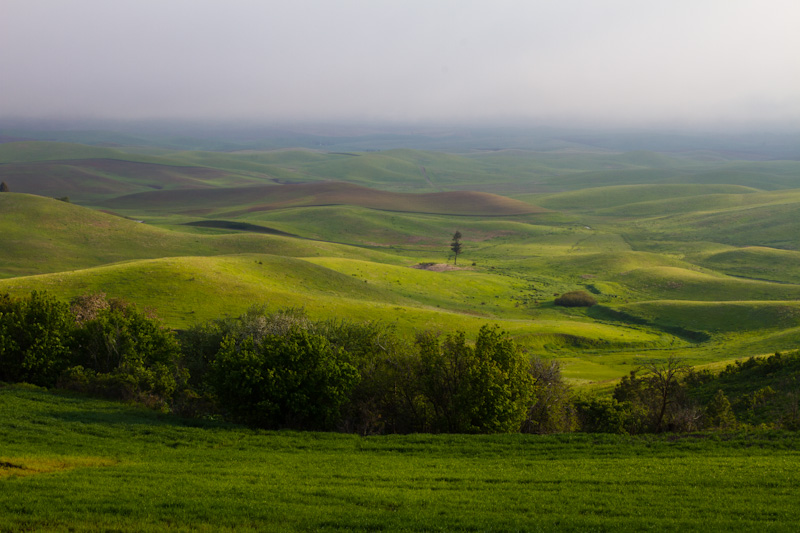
point(164, 473)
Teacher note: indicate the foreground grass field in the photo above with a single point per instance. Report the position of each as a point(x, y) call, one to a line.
point(70, 463)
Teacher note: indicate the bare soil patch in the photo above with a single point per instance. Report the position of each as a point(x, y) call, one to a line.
point(438, 267)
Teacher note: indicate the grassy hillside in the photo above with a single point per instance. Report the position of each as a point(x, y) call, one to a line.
point(774, 225)
point(691, 254)
point(599, 198)
point(268, 198)
point(38, 151)
point(720, 317)
point(756, 262)
point(187, 290)
point(45, 235)
point(681, 284)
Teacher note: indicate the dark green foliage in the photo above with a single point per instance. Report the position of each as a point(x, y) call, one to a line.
point(657, 400)
point(455, 246)
point(575, 299)
point(201, 342)
point(553, 410)
point(761, 366)
point(35, 338)
point(602, 415)
point(117, 334)
point(297, 380)
point(122, 352)
point(386, 365)
point(481, 389)
point(719, 413)
point(108, 348)
point(761, 390)
point(3, 187)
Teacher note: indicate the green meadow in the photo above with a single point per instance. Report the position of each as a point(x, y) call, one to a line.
point(74, 464)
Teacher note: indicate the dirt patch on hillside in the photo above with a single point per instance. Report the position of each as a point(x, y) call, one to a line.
point(438, 267)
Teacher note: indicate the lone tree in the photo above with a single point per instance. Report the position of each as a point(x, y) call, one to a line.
point(3, 187)
point(455, 245)
point(664, 378)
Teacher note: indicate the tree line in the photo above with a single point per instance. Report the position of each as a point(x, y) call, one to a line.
point(285, 370)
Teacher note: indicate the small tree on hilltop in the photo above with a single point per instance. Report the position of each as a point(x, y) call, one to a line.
point(3, 187)
point(455, 246)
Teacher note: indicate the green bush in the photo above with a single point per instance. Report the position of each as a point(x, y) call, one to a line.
point(575, 299)
point(297, 380)
point(718, 412)
point(552, 410)
point(201, 342)
point(126, 353)
point(36, 334)
point(602, 415)
point(482, 389)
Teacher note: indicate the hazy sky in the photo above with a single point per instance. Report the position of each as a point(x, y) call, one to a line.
point(615, 62)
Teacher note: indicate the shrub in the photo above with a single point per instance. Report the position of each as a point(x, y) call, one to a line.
point(602, 415)
point(297, 380)
point(35, 338)
point(719, 413)
point(125, 348)
point(385, 364)
point(485, 389)
point(575, 299)
point(201, 342)
point(552, 410)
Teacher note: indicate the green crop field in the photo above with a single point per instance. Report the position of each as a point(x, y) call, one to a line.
point(71, 463)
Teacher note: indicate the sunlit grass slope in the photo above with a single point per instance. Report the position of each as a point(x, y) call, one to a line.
point(45, 235)
point(675, 283)
point(372, 227)
point(186, 290)
point(756, 262)
point(771, 220)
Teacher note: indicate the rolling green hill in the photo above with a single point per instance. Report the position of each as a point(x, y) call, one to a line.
point(756, 262)
point(45, 235)
point(691, 254)
point(623, 197)
point(186, 290)
point(243, 200)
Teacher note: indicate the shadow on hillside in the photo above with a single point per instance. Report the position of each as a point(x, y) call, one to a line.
point(239, 226)
point(600, 312)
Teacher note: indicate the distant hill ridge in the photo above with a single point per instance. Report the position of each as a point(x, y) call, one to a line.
point(264, 198)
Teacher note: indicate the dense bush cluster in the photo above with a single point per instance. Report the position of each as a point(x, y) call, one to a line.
point(575, 299)
point(93, 344)
point(284, 370)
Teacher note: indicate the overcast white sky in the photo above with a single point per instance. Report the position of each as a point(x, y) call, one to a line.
point(615, 62)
